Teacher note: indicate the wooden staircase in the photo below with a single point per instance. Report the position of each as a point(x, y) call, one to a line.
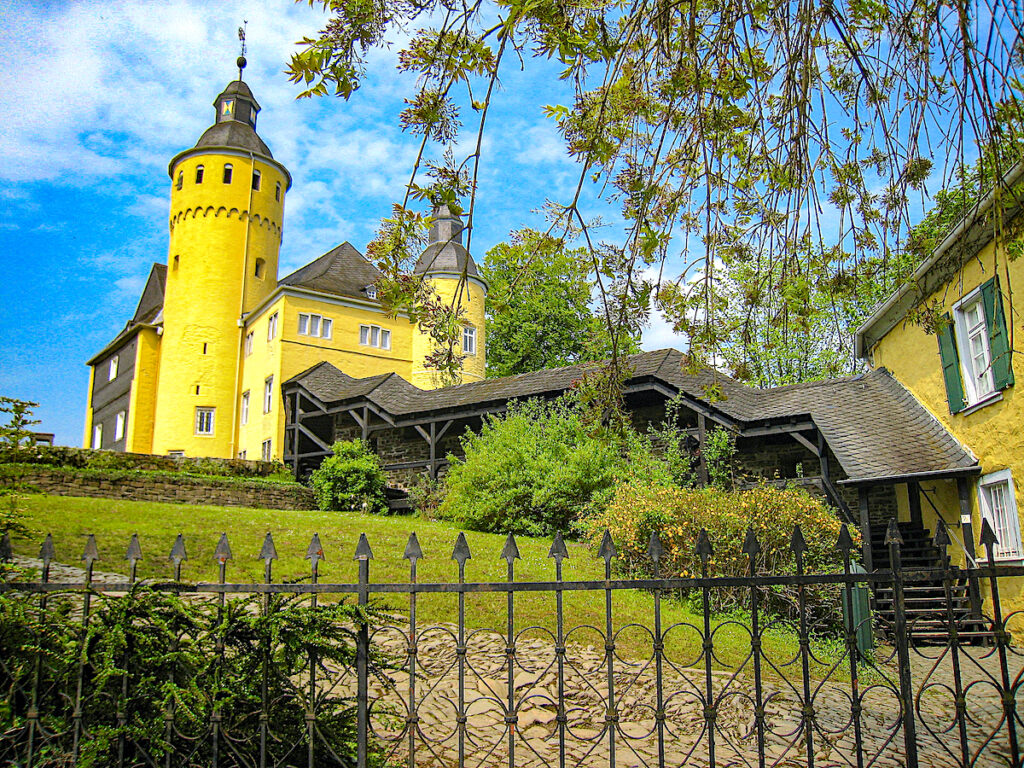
point(925, 601)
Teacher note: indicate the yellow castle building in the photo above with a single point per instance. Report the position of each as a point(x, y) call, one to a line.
point(198, 368)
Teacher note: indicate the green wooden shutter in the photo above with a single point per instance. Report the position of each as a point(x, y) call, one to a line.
point(951, 366)
point(998, 338)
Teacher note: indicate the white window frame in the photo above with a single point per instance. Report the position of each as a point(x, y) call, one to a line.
point(266, 450)
point(272, 327)
point(978, 384)
point(1005, 522)
point(374, 336)
point(245, 407)
point(469, 340)
point(317, 326)
point(268, 394)
point(205, 420)
point(97, 436)
point(119, 422)
point(112, 368)
point(248, 343)
point(371, 292)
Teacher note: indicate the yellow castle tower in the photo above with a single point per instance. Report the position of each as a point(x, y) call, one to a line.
point(450, 269)
point(227, 209)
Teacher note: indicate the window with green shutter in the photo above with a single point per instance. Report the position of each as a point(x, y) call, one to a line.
point(974, 348)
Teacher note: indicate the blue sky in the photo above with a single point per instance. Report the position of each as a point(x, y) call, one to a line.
point(98, 96)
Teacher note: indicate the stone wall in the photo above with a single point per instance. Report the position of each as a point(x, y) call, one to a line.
point(180, 489)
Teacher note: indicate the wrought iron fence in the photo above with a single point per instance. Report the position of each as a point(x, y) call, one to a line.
point(522, 694)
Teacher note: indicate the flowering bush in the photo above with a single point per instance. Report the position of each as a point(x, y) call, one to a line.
point(678, 515)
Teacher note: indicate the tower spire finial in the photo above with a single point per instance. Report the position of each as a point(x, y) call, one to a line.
point(241, 58)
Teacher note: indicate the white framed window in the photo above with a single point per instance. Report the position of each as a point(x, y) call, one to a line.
point(112, 368)
point(998, 504)
point(245, 407)
point(248, 343)
point(204, 421)
point(371, 291)
point(97, 436)
point(972, 339)
point(265, 453)
point(272, 327)
point(469, 340)
point(315, 325)
point(374, 336)
point(268, 394)
point(119, 421)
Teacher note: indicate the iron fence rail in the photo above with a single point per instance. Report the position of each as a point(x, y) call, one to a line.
point(528, 695)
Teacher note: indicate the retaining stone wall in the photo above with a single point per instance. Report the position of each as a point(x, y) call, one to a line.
point(179, 490)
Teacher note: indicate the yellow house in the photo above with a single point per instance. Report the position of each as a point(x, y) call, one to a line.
point(964, 371)
point(197, 370)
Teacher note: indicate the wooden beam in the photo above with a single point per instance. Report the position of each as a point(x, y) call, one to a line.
point(777, 429)
point(702, 443)
point(364, 424)
point(806, 444)
point(865, 529)
point(423, 433)
point(914, 501)
point(302, 428)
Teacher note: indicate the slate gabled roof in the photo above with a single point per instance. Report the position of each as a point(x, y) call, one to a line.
point(342, 271)
point(150, 311)
point(875, 427)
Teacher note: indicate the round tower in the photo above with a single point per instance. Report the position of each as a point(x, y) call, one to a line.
point(227, 209)
point(450, 268)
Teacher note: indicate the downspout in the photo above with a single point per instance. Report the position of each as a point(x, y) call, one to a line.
point(241, 315)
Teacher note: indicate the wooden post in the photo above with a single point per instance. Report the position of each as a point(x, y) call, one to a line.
point(865, 528)
point(914, 497)
point(963, 490)
point(702, 439)
point(365, 426)
point(433, 450)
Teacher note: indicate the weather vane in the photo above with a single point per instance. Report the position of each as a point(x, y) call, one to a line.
point(241, 36)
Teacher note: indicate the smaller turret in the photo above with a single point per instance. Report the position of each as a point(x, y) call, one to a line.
point(445, 253)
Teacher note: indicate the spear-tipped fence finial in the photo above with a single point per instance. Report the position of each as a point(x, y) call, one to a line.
point(510, 551)
point(315, 551)
point(655, 549)
point(751, 546)
point(461, 551)
point(941, 540)
point(47, 552)
point(558, 550)
point(178, 553)
point(268, 551)
point(797, 542)
point(6, 553)
point(844, 543)
point(704, 549)
point(413, 551)
point(892, 533)
point(988, 536)
point(607, 550)
point(134, 552)
point(91, 553)
point(223, 551)
point(363, 551)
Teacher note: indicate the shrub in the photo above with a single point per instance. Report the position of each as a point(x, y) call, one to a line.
point(539, 467)
point(678, 515)
point(350, 479)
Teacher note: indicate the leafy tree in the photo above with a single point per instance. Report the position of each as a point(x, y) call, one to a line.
point(539, 307)
point(787, 135)
point(16, 431)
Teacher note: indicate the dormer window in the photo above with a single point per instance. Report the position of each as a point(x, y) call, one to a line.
point(256, 178)
point(227, 109)
point(181, 180)
point(199, 174)
point(371, 292)
point(227, 173)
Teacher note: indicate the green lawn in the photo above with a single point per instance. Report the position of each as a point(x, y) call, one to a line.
point(70, 519)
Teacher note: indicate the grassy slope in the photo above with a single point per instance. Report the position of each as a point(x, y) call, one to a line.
point(70, 519)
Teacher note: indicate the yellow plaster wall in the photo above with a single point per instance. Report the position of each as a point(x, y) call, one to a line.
point(218, 231)
point(994, 433)
point(87, 435)
point(264, 361)
point(472, 297)
point(142, 408)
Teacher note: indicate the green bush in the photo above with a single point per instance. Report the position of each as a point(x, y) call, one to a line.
point(679, 514)
point(153, 655)
point(539, 467)
point(350, 479)
point(87, 458)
